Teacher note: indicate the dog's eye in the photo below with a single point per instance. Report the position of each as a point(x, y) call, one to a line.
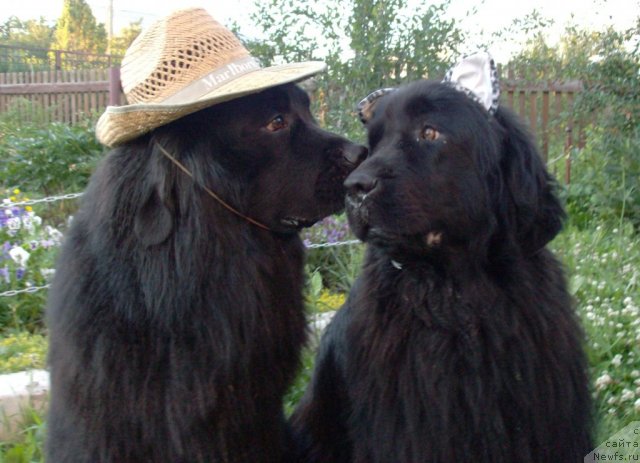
point(277, 123)
point(429, 133)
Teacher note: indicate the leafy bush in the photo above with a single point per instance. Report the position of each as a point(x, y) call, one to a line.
point(51, 159)
point(21, 112)
point(605, 178)
point(607, 172)
point(359, 39)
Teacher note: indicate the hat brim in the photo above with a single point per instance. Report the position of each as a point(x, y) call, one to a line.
point(120, 124)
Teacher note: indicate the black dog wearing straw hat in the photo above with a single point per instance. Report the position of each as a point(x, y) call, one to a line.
point(458, 342)
point(176, 314)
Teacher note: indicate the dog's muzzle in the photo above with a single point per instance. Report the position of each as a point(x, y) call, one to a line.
point(360, 187)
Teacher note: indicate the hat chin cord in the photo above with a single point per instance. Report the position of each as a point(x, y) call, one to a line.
point(221, 201)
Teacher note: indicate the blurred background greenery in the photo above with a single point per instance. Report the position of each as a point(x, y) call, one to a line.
point(369, 44)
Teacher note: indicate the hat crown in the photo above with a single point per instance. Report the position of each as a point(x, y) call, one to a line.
point(175, 51)
point(182, 64)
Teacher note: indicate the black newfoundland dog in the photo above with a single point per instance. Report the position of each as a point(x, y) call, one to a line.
point(175, 324)
point(458, 342)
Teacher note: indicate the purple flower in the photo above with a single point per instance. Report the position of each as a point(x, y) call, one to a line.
point(6, 247)
point(46, 244)
point(20, 273)
point(329, 230)
point(4, 273)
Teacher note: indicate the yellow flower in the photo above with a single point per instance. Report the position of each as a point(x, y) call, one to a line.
point(12, 199)
point(330, 301)
point(16, 191)
point(28, 209)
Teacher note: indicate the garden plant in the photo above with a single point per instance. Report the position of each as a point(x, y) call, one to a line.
point(600, 245)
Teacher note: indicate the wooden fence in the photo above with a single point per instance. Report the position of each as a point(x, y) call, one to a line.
point(549, 109)
point(64, 96)
point(71, 96)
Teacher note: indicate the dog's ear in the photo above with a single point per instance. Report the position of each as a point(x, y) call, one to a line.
point(534, 212)
point(366, 106)
point(154, 218)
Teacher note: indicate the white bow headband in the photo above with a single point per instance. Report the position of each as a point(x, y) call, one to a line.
point(474, 75)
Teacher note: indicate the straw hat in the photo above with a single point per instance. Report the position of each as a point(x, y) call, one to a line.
point(181, 64)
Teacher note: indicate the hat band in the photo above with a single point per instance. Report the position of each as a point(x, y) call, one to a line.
point(213, 80)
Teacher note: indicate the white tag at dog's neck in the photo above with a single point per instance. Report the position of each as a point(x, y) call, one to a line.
point(213, 80)
point(396, 264)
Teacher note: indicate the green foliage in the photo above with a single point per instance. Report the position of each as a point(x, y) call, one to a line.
point(121, 41)
point(28, 445)
point(392, 44)
point(603, 263)
point(50, 159)
point(77, 29)
point(20, 351)
point(606, 173)
point(336, 265)
point(34, 33)
point(296, 390)
point(605, 178)
point(367, 44)
point(20, 113)
point(319, 298)
point(612, 93)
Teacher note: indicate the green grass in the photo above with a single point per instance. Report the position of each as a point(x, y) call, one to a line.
point(604, 269)
point(603, 265)
point(27, 445)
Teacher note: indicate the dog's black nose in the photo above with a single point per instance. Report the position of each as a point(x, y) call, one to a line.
point(354, 154)
point(360, 183)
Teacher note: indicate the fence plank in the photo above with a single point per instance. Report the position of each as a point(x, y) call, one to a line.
point(559, 100)
point(521, 103)
point(545, 125)
point(533, 111)
point(3, 98)
point(72, 109)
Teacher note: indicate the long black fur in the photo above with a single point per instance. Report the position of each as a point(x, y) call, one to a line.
point(175, 325)
point(471, 350)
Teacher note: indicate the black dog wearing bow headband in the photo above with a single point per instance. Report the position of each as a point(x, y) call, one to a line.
point(458, 342)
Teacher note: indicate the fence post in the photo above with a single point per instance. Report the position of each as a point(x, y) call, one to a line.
point(114, 86)
point(567, 150)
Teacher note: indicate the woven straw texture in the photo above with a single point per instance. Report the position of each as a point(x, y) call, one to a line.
point(154, 67)
point(173, 54)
